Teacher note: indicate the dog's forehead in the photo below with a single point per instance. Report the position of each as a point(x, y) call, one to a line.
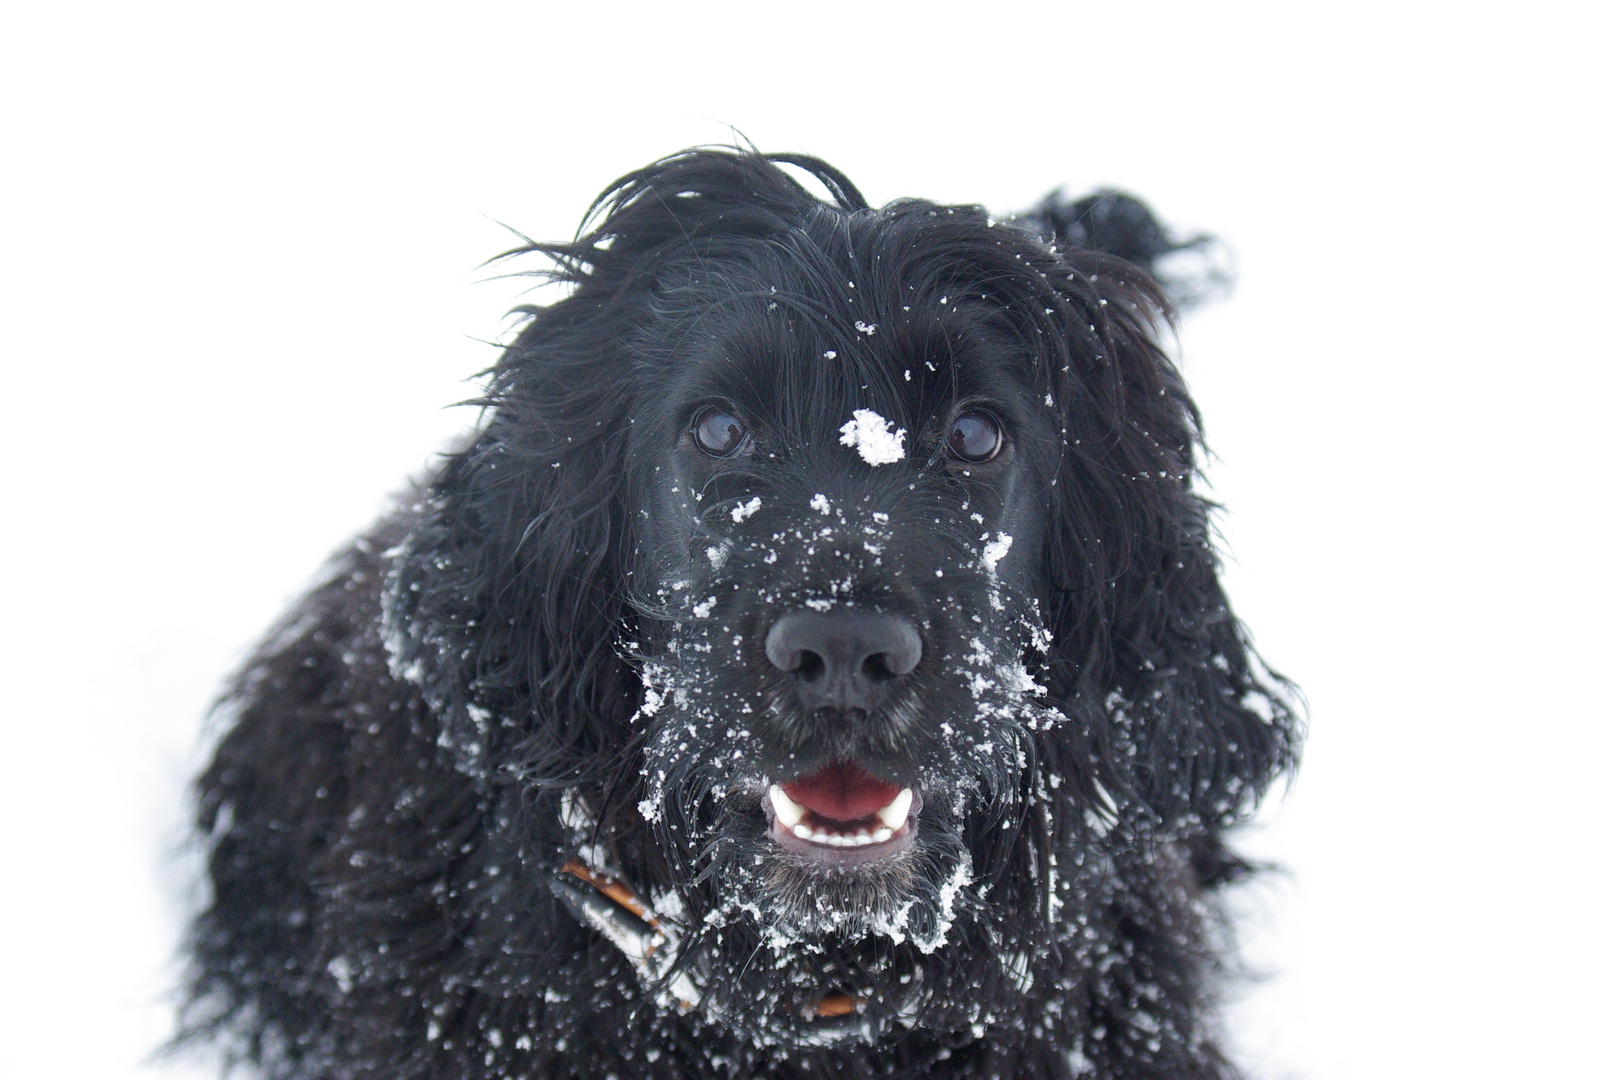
point(800, 346)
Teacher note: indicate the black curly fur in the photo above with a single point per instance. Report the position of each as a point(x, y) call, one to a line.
point(568, 613)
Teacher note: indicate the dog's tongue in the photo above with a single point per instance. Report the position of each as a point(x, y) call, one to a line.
point(841, 791)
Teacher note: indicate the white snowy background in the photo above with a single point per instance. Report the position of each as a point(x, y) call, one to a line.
point(240, 248)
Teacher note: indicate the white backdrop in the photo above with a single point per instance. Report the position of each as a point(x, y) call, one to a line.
point(240, 259)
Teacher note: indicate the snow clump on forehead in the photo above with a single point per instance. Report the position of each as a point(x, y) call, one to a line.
point(869, 432)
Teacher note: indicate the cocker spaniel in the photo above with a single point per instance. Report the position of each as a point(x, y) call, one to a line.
point(813, 665)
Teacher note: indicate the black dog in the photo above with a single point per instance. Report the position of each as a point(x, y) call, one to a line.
point(814, 665)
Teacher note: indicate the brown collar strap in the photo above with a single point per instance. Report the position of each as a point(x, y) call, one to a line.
point(609, 906)
point(614, 889)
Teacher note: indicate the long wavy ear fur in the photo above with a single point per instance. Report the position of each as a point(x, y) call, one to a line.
point(1192, 726)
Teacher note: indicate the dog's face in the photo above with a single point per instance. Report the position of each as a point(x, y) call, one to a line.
point(838, 481)
point(844, 566)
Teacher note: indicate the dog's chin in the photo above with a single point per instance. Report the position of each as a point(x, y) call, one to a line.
point(813, 906)
point(803, 923)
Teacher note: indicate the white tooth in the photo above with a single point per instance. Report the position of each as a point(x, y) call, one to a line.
point(862, 837)
point(803, 831)
point(820, 838)
point(882, 834)
point(788, 810)
point(897, 813)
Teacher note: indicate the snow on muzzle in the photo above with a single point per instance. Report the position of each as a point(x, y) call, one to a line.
point(841, 814)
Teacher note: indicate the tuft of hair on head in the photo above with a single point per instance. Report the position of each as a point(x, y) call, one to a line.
point(677, 201)
point(1192, 269)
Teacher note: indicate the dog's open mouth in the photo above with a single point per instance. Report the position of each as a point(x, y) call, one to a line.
point(841, 814)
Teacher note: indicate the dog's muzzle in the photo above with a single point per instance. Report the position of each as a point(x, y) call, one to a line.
point(843, 662)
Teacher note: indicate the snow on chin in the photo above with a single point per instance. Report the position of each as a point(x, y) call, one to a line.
point(870, 433)
point(923, 915)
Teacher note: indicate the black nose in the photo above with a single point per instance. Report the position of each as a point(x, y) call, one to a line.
point(844, 658)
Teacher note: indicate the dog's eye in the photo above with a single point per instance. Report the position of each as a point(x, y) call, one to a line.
point(719, 433)
point(975, 436)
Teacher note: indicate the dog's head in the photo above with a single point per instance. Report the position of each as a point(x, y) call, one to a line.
point(836, 574)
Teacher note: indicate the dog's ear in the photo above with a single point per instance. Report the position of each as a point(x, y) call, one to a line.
point(1190, 725)
point(505, 601)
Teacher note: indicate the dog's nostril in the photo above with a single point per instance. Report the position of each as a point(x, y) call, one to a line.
point(810, 666)
point(878, 667)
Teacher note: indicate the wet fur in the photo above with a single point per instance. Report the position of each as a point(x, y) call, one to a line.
point(510, 671)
